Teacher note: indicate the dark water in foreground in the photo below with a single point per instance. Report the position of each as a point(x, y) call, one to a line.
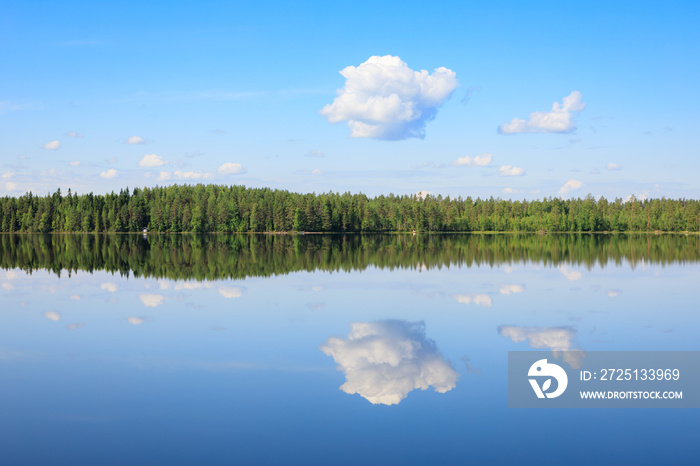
point(231, 349)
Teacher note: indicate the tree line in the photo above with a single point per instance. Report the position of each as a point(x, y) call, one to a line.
point(227, 209)
point(218, 257)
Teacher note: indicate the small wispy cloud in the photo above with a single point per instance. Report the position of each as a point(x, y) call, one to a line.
point(570, 274)
point(109, 174)
point(152, 300)
point(613, 167)
point(315, 153)
point(509, 170)
point(135, 140)
point(52, 145)
point(230, 168)
point(511, 289)
point(476, 161)
point(561, 340)
point(558, 120)
point(468, 94)
point(316, 172)
point(152, 160)
point(569, 186)
point(483, 300)
point(52, 315)
point(73, 134)
point(192, 175)
point(638, 196)
point(230, 292)
point(135, 320)
point(111, 287)
point(164, 176)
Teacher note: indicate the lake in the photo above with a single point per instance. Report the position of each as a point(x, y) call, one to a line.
point(330, 349)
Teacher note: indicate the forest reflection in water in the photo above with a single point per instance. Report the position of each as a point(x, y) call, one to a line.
point(217, 257)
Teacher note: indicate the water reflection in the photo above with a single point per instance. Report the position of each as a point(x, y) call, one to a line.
point(384, 361)
point(217, 257)
point(561, 340)
point(479, 299)
point(135, 320)
point(511, 289)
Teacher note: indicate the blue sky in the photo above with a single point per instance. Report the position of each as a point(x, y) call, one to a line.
point(97, 96)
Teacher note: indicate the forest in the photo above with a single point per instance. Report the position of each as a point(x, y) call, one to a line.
point(217, 208)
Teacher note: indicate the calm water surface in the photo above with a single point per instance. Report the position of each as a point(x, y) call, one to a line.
point(330, 349)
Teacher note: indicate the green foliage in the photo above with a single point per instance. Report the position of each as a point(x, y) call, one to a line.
point(216, 257)
point(226, 209)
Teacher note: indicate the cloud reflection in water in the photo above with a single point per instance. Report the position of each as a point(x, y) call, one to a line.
point(558, 339)
point(383, 361)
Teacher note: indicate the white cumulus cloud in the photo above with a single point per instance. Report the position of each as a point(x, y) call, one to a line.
point(558, 120)
point(52, 145)
point(510, 190)
point(10, 186)
point(316, 172)
point(230, 168)
point(613, 167)
point(478, 299)
point(569, 186)
point(385, 99)
point(152, 160)
point(7, 175)
point(384, 361)
point(109, 174)
point(476, 161)
point(135, 140)
point(509, 170)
